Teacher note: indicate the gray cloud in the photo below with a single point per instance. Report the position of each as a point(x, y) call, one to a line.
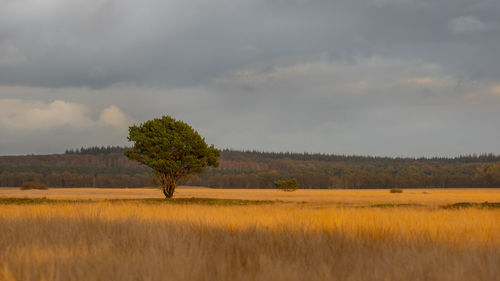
point(170, 43)
point(391, 77)
point(471, 24)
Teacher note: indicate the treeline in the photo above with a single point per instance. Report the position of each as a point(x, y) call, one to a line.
point(230, 154)
point(485, 175)
point(94, 150)
point(68, 179)
point(107, 167)
point(254, 154)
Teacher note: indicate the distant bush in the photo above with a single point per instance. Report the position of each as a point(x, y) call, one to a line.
point(396, 190)
point(289, 185)
point(33, 185)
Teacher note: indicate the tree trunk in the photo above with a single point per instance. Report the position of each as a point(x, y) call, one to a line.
point(168, 185)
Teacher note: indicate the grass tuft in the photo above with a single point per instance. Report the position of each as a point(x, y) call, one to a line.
point(389, 205)
point(461, 205)
point(181, 201)
point(31, 201)
point(198, 201)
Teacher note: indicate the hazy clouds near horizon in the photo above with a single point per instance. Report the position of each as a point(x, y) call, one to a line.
point(378, 77)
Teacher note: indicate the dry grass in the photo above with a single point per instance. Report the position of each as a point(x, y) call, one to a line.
point(321, 197)
point(144, 241)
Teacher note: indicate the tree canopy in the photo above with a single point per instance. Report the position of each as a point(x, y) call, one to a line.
point(289, 185)
point(172, 148)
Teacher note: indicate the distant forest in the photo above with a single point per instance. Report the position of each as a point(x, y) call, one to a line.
point(107, 167)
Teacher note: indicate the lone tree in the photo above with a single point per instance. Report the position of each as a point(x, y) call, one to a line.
point(172, 148)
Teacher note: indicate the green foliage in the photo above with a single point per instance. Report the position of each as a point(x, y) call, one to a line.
point(289, 185)
point(172, 148)
point(396, 190)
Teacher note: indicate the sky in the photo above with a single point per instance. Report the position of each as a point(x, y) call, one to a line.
point(365, 77)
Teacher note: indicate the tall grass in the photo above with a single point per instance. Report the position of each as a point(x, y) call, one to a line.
point(139, 241)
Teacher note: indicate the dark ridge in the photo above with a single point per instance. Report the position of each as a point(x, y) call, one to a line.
point(232, 154)
point(108, 167)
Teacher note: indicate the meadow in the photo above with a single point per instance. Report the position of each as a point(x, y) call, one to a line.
point(120, 234)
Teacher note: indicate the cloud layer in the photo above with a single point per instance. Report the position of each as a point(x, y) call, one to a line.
point(33, 125)
point(385, 77)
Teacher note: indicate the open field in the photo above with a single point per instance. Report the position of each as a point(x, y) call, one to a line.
point(315, 196)
point(157, 240)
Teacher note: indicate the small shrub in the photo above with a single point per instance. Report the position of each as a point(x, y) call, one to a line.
point(396, 190)
point(289, 185)
point(33, 185)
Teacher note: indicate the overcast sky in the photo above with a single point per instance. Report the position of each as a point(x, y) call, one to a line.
point(369, 77)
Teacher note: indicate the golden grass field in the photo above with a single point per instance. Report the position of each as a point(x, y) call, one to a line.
point(334, 235)
point(315, 196)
